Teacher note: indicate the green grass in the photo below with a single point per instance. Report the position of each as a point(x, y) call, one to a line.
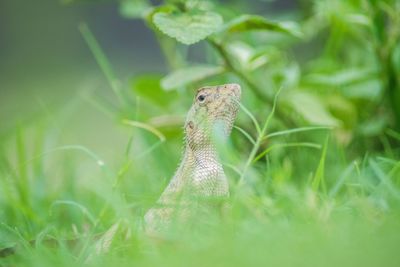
point(296, 206)
point(301, 196)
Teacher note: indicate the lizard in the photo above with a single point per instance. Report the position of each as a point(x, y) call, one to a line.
point(200, 173)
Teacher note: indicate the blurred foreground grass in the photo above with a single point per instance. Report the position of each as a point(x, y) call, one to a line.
point(319, 175)
point(353, 220)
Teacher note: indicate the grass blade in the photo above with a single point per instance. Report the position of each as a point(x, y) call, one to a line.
point(251, 116)
point(384, 179)
point(340, 182)
point(262, 154)
point(146, 127)
point(102, 60)
point(260, 138)
point(296, 130)
point(82, 208)
point(319, 177)
point(246, 134)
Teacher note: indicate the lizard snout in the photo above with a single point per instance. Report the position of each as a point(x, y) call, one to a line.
point(233, 89)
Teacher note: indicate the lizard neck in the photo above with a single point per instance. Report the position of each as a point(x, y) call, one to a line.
point(204, 156)
point(207, 175)
point(200, 171)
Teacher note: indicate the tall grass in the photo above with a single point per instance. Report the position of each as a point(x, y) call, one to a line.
point(306, 200)
point(284, 218)
point(300, 207)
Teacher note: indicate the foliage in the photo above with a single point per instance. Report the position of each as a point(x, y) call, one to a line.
point(317, 183)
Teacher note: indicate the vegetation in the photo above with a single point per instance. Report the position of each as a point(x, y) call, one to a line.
point(313, 162)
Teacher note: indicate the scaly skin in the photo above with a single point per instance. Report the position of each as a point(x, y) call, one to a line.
point(200, 173)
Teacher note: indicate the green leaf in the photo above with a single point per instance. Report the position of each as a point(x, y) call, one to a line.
point(189, 27)
point(374, 126)
point(246, 55)
point(342, 77)
point(343, 109)
point(371, 90)
point(148, 86)
point(254, 22)
point(359, 19)
point(311, 108)
point(133, 8)
point(189, 75)
point(356, 83)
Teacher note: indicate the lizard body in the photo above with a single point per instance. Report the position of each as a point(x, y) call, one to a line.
point(200, 173)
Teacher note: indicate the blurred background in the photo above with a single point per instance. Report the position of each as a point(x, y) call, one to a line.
point(46, 63)
point(93, 96)
point(45, 60)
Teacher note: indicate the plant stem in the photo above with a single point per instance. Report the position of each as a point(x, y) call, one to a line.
point(259, 140)
point(252, 85)
point(229, 64)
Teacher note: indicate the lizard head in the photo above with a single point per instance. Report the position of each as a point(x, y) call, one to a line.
point(214, 107)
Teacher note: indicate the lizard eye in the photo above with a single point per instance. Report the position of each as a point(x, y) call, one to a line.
point(201, 98)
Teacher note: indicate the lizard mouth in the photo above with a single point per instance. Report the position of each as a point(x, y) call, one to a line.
point(228, 108)
point(231, 93)
point(235, 90)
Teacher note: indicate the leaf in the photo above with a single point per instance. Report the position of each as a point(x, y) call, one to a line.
point(189, 27)
point(311, 108)
point(133, 8)
point(343, 109)
point(370, 90)
point(189, 75)
point(342, 77)
point(360, 19)
point(148, 86)
point(254, 22)
point(242, 51)
point(353, 84)
point(247, 56)
point(374, 126)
